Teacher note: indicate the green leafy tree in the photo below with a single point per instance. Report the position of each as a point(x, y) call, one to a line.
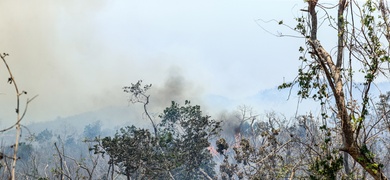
point(135, 152)
point(331, 76)
point(185, 135)
point(93, 130)
point(44, 136)
point(176, 150)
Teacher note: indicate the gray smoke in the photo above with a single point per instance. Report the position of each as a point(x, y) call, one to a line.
point(46, 41)
point(175, 88)
point(230, 123)
point(61, 51)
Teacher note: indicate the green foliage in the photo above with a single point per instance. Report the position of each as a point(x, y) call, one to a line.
point(179, 149)
point(369, 156)
point(44, 136)
point(373, 45)
point(92, 130)
point(309, 80)
point(301, 26)
point(328, 162)
point(326, 167)
point(133, 150)
point(186, 133)
point(285, 85)
point(222, 145)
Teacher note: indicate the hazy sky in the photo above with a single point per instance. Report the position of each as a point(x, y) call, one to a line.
point(77, 55)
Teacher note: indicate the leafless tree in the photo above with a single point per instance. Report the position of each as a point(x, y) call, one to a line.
point(19, 115)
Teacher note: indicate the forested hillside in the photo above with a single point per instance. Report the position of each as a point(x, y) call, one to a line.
point(342, 133)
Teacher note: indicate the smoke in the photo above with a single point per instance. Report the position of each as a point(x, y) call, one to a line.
point(175, 88)
point(230, 123)
point(57, 50)
point(77, 56)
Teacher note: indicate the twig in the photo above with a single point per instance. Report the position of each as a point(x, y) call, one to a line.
point(59, 154)
point(24, 113)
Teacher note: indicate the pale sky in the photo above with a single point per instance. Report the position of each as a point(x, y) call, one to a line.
point(77, 55)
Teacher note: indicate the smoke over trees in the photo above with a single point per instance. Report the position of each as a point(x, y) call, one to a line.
point(348, 139)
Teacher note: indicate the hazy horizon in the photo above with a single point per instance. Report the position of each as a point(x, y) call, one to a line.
point(77, 56)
